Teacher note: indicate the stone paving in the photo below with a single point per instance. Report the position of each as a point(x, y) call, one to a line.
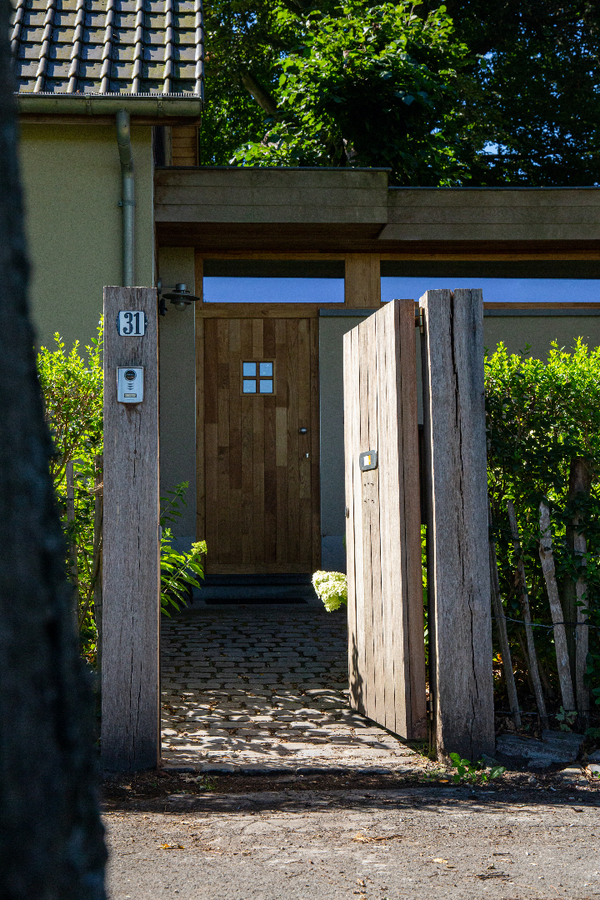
point(264, 687)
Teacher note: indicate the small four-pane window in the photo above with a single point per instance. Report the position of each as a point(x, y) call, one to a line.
point(257, 377)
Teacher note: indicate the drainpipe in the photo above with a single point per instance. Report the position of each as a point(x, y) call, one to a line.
point(128, 201)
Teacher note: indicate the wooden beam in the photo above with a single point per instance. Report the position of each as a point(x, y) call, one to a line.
point(131, 566)
point(456, 487)
point(184, 145)
point(363, 280)
point(264, 311)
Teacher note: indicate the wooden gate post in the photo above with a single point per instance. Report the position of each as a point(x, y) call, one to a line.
point(130, 735)
point(456, 484)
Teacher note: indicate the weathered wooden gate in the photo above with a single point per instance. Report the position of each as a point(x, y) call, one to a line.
point(383, 536)
point(385, 602)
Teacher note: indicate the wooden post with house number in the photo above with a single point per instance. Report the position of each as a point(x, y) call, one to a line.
point(130, 736)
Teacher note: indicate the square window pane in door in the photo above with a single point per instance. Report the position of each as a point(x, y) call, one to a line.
point(266, 369)
point(249, 370)
point(266, 386)
point(249, 386)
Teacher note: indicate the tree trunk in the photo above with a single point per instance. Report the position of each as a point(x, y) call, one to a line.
point(51, 843)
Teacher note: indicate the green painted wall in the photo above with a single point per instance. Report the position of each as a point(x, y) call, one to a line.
point(539, 331)
point(72, 183)
point(178, 389)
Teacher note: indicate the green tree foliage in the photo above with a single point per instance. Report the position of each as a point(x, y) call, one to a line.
point(537, 102)
point(355, 85)
point(541, 418)
point(480, 92)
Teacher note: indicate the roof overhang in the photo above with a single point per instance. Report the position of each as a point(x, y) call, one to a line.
point(146, 109)
point(521, 232)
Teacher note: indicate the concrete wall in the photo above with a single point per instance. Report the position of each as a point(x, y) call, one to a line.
point(178, 389)
point(333, 325)
point(72, 182)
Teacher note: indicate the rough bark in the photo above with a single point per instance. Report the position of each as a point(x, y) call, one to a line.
point(262, 96)
point(51, 843)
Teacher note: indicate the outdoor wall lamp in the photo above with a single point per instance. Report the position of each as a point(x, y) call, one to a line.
point(180, 297)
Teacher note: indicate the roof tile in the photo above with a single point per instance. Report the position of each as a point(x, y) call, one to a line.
point(108, 46)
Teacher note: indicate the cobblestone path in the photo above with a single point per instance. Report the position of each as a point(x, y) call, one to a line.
point(265, 687)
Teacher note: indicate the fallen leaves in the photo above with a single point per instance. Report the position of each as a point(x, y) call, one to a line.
point(361, 838)
point(172, 847)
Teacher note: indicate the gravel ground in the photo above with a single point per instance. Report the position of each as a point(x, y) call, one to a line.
point(443, 841)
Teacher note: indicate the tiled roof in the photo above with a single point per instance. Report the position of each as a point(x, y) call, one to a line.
point(107, 47)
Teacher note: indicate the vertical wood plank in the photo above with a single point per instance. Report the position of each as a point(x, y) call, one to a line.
point(131, 570)
point(247, 450)
point(235, 441)
point(410, 520)
point(393, 634)
point(200, 472)
point(258, 441)
point(304, 442)
point(314, 448)
point(377, 696)
point(270, 476)
point(350, 443)
point(458, 570)
point(360, 525)
point(362, 280)
point(281, 439)
point(222, 509)
point(293, 476)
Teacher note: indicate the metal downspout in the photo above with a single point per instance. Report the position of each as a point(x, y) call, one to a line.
point(128, 200)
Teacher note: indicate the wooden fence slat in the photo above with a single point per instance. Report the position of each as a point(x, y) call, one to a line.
point(131, 566)
point(458, 568)
point(411, 572)
point(350, 410)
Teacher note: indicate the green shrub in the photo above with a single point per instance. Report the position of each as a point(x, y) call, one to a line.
point(72, 386)
point(542, 417)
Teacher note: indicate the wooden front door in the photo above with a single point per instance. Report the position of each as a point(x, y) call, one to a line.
point(258, 443)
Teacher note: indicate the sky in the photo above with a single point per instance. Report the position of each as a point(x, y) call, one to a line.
point(331, 290)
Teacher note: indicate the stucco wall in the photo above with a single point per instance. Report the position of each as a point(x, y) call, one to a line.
point(178, 390)
point(72, 182)
point(516, 331)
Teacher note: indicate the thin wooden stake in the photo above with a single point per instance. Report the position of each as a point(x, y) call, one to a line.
point(531, 651)
point(498, 608)
point(556, 611)
point(583, 694)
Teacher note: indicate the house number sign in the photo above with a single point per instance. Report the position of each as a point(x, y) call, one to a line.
point(131, 323)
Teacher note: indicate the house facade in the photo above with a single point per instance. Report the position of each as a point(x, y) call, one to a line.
point(250, 393)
